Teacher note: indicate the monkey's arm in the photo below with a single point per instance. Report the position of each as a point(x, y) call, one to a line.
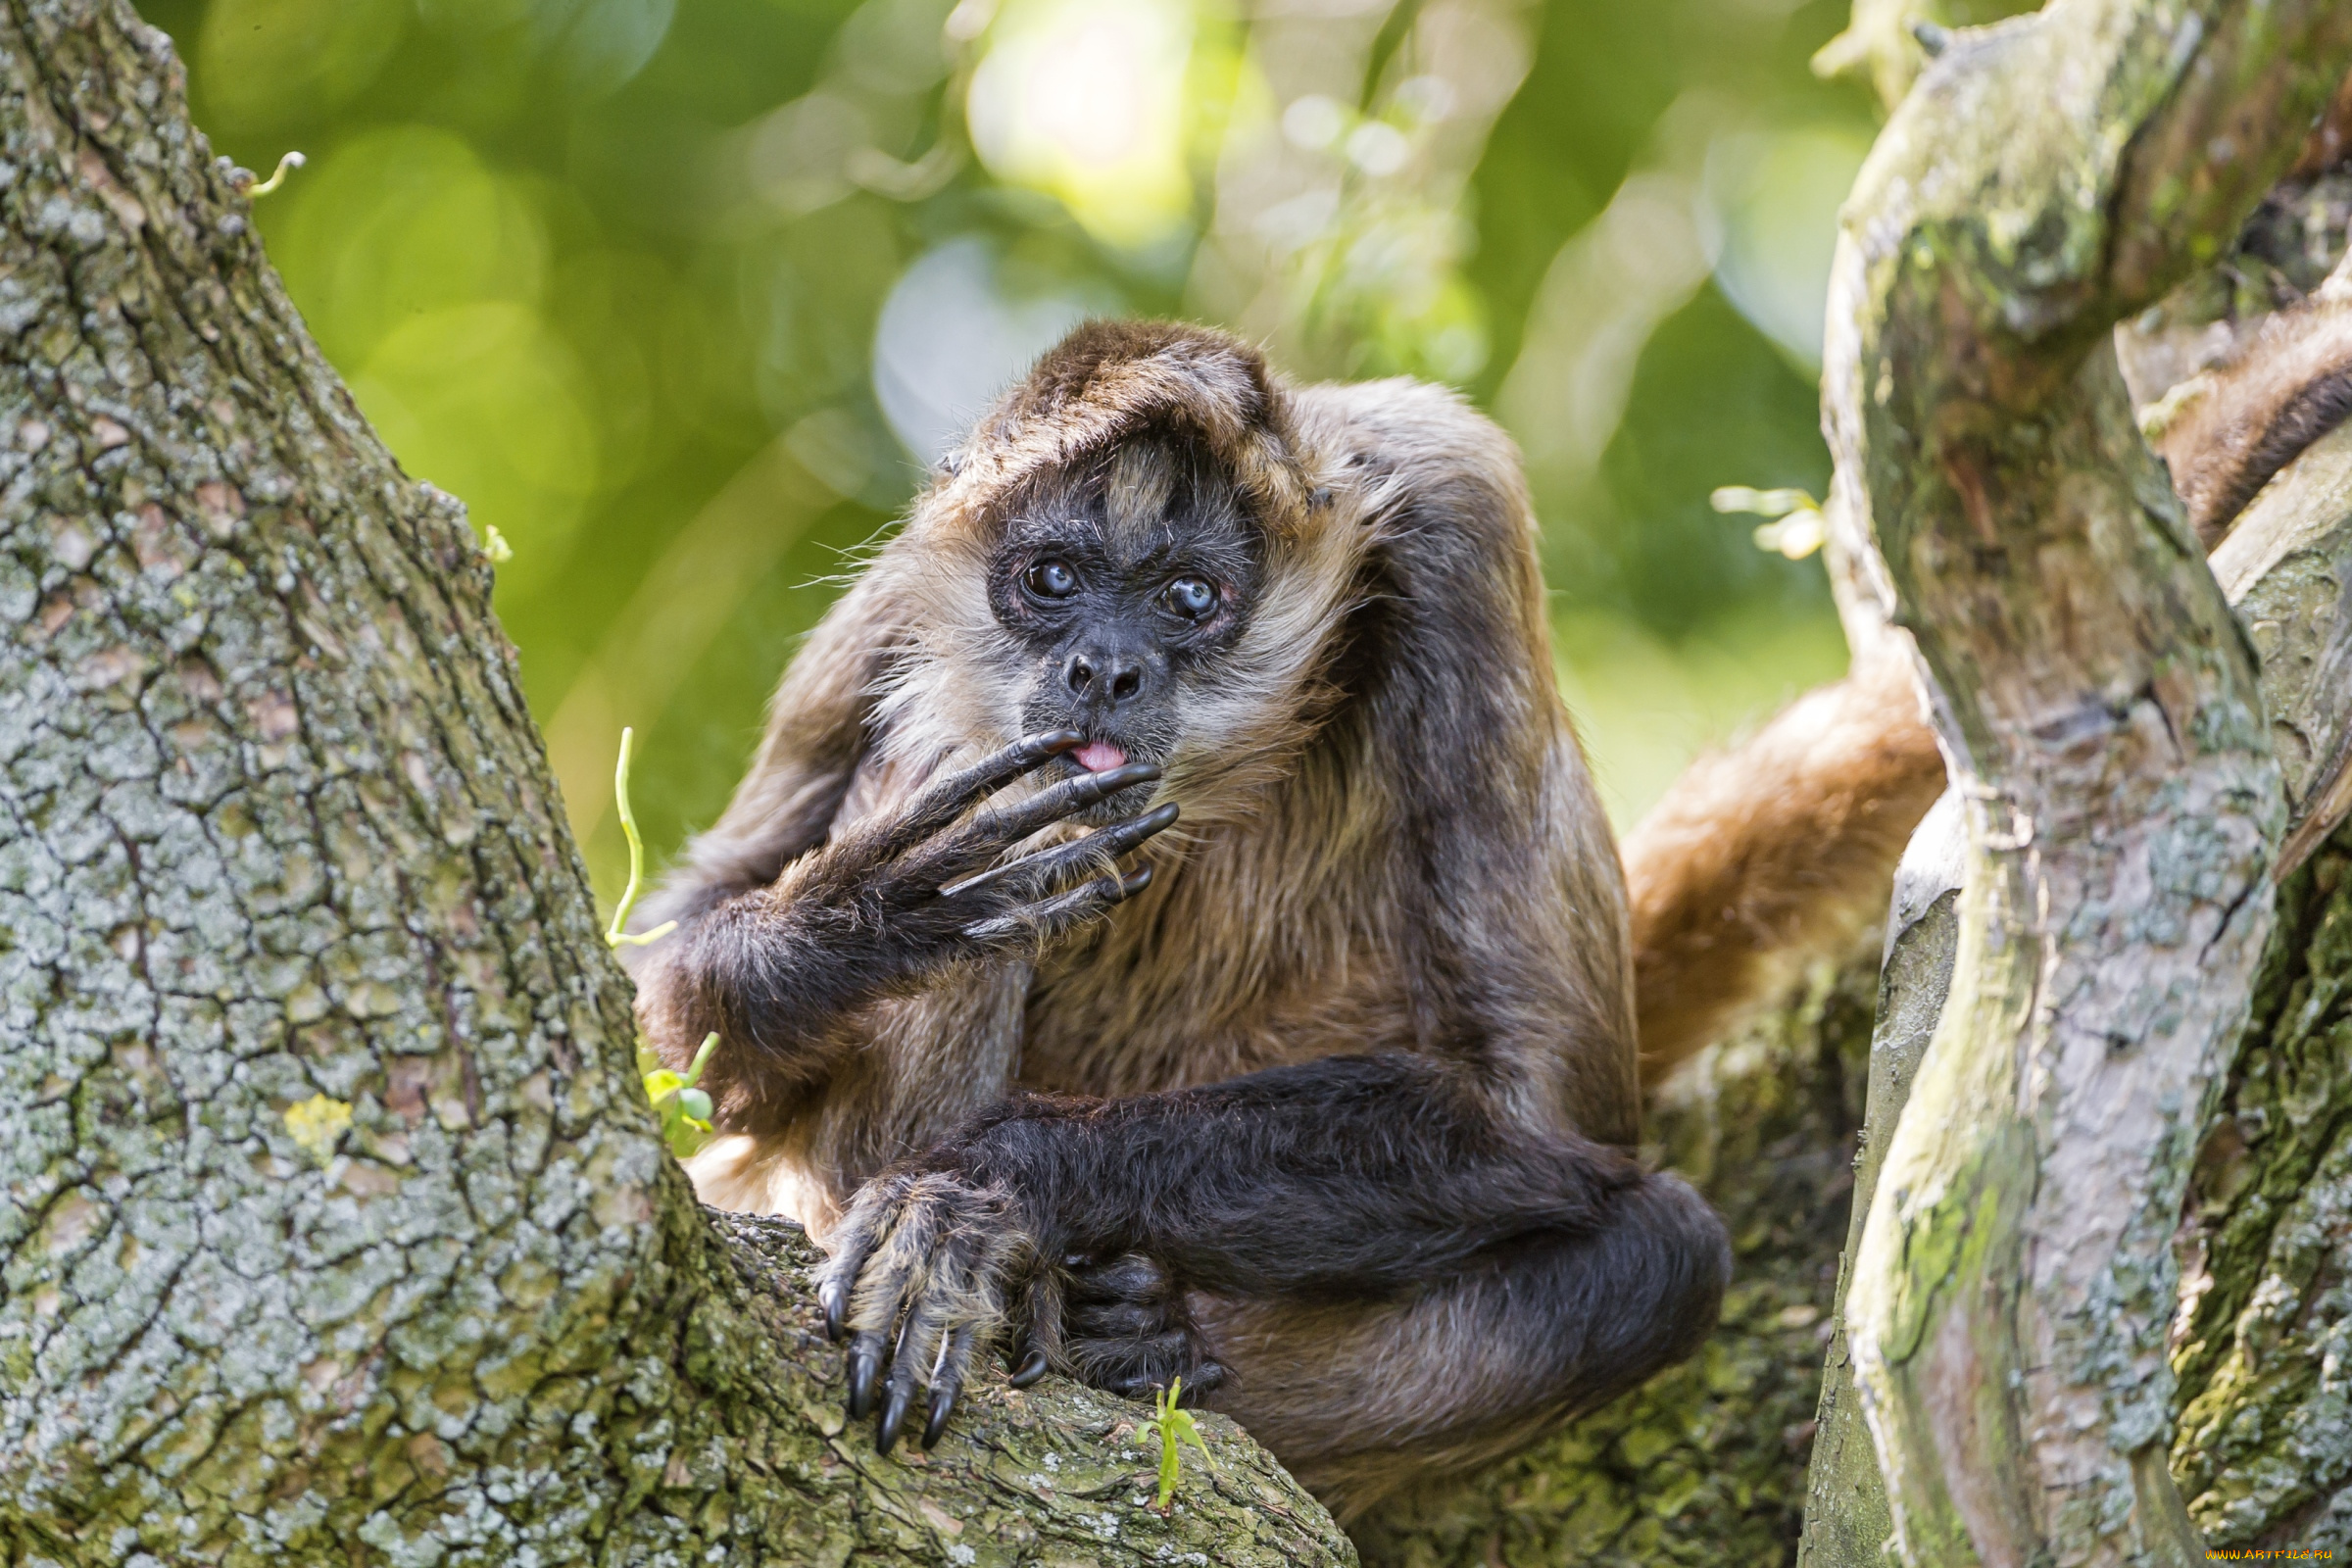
point(887, 904)
point(817, 733)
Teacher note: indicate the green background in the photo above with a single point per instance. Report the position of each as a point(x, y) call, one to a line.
point(616, 274)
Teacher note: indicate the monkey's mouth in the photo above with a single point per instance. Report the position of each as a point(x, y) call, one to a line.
point(1099, 756)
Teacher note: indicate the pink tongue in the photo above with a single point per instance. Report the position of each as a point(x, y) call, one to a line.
point(1098, 757)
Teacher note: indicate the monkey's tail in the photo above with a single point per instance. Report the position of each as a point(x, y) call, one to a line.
point(1764, 856)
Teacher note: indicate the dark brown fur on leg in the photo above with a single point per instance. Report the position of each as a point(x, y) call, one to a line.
point(1464, 1370)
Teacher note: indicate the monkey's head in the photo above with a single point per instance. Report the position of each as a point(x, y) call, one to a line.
point(1129, 546)
point(1122, 586)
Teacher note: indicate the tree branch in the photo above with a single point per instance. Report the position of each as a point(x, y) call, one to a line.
point(2012, 1287)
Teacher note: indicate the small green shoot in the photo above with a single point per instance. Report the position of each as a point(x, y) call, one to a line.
point(1173, 1427)
point(685, 1110)
point(1801, 530)
point(618, 934)
point(495, 546)
point(277, 177)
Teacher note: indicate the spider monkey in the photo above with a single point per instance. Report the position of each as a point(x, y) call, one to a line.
point(1170, 927)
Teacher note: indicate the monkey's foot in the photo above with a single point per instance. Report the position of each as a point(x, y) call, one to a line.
point(1127, 1329)
point(938, 1252)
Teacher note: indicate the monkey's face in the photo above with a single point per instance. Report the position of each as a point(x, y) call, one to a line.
point(1121, 587)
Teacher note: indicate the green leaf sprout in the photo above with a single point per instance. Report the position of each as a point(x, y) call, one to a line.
point(685, 1110)
point(277, 176)
point(1172, 1428)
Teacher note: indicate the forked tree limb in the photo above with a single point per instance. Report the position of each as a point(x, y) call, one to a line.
point(279, 844)
point(2008, 1304)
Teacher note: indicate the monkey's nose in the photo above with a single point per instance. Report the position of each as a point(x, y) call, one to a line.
point(1113, 678)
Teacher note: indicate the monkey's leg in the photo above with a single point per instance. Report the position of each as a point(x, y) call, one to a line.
point(1346, 1178)
point(1361, 1401)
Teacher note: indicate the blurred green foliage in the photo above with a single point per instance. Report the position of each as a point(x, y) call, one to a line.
point(680, 299)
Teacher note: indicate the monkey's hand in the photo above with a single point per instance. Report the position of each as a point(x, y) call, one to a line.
point(922, 889)
point(1126, 1327)
point(934, 1262)
point(933, 1258)
point(891, 902)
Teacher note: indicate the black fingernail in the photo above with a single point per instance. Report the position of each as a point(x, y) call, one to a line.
point(1058, 740)
point(833, 1297)
point(1032, 1368)
point(942, 1401)
point(1134, 882)
point(894, 1416)
point(1119, 778)
point(864, 1367)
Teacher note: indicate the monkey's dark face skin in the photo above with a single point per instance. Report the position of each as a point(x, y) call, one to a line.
point(1121, 593)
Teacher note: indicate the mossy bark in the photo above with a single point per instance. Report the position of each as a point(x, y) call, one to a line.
point(277, 844)
point(2263, 1343)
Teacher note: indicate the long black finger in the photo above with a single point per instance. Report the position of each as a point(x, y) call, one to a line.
point(837, 1280)
point(1034, 876)
point(920, 1344)
point(833, 1299)
point(947, 1381)
point(866, 1371)
point(1013, 823)
point(943, 801)
point(1206, 1378)
point(894, 1416)
point(1129, 1277)
point(1058, 915)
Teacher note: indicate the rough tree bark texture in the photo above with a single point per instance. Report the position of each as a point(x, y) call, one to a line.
point(2014, 1283)
point(277, 841)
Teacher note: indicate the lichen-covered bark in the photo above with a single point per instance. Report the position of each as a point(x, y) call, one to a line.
point(1846, 1522)
point(2264, 1342)
point(1707, 1464)
point(276, 840)
point(2010, 1296)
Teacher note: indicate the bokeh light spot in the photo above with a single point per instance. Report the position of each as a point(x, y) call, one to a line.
point(954, 333)
point(1085, 99)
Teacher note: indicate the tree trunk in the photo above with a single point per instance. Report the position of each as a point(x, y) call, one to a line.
point(2012, 1284)
point(335, 1225)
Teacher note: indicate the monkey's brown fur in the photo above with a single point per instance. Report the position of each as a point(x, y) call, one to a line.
point(1767, 855)
point(2227, 430)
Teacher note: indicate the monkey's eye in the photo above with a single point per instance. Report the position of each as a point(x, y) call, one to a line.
point(1051, 579)
point(1190, 597)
